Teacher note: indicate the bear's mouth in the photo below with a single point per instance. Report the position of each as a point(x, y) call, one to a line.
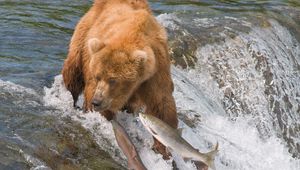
point(102, 107)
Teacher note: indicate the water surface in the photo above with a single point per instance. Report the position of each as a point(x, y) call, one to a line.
point(237, 81)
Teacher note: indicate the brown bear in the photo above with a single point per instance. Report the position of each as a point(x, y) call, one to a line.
point(118, 57)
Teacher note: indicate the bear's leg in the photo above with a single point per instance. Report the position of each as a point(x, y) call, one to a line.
point(133, 105)
point(89, 91)
point(73, 73)
point(109, 115)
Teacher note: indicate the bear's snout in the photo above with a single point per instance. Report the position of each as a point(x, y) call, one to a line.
point(100, 104)
point(96, 103)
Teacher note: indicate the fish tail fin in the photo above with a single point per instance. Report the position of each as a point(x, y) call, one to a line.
point(210, 157)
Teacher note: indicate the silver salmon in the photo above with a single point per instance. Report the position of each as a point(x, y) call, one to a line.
point(124, 142)
point(172, 139)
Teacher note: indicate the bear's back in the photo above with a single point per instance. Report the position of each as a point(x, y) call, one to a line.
point(121, 22)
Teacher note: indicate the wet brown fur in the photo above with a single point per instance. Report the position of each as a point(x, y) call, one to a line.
point(134, 29)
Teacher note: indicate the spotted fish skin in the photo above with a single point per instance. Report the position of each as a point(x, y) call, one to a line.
point(172, 139)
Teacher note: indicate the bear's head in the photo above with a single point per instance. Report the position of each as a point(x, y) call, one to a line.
point(117, 73)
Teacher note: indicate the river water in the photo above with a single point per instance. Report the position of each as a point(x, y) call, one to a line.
point(236, 73)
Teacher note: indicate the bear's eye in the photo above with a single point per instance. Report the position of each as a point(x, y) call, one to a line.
point(112, 82)
point(98, 78)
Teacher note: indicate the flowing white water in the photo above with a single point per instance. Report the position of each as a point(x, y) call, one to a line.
point(223, 99)
point(19, 95)
point(10, 87)
point(241, 146)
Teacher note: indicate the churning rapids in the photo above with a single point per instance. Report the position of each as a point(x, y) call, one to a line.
point(237, 81)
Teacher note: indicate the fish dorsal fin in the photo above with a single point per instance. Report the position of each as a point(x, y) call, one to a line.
point(179, 131)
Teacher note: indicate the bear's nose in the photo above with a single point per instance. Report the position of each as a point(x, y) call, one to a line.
point(96, 103)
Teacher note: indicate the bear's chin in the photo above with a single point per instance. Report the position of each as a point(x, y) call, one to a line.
point(101, 109)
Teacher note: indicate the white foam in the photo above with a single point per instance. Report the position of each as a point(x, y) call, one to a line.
point(247, 139)
point(57, 96)
point(34, 162)
point(199, 100)
point(10, 87)
point(240, 144)
point(168, 20)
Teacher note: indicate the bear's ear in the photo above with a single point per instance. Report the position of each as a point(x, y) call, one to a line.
point(95, 45)
point(141, 55)
point(148, 61)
